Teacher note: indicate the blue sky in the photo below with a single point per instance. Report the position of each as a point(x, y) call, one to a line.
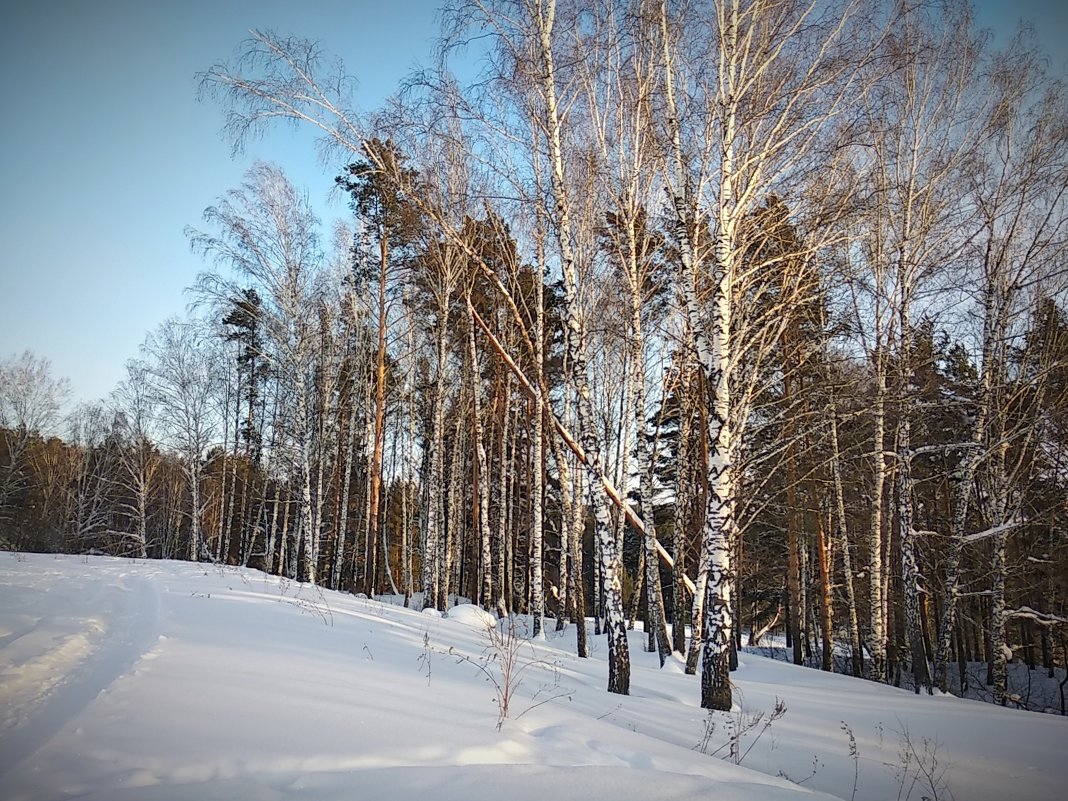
point(106, 154)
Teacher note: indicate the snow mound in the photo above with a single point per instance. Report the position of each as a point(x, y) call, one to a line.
point(474, 616)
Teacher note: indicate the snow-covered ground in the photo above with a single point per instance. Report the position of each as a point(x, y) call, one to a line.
point(170, 680)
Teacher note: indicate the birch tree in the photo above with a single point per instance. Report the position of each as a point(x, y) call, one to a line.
point(782, 75)
point(267, 233)
point(30, 403)
point(140, 462)
point(920, 128)
point(181, 387)
point(1017, 188)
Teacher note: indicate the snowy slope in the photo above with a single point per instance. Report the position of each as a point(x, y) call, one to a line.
point(169, 680)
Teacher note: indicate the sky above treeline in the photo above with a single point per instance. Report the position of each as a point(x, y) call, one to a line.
point(107, 154)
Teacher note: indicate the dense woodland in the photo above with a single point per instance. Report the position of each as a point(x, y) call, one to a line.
point(730, 317)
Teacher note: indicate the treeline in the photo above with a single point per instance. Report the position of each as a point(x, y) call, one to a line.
point(731, 318)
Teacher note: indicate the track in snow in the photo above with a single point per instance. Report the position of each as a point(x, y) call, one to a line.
point(133, 629)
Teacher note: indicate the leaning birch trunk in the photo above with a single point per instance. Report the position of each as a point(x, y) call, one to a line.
point(359, 565)
point(697, 614)
point(657, 619)
point(620, 467)
point(618, 651)
point(271, 533)
point(387, 566)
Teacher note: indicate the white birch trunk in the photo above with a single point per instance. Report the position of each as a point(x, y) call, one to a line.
point(432, 536)
point(450, 574)
point(681, 519)
point(566, 511)
point(656, 623)
point(503, 606)
point(346, 482)
point(843, 541)
point(877, 671)
point(618, 651)
point(482, 485)
point(303, 445)
point(193, 477)
point(578, 532)
point(712, 349)
point(537, 581)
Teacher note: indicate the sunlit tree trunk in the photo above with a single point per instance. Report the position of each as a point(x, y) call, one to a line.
point(481, 484)
point(432, 537)
point(618, 651)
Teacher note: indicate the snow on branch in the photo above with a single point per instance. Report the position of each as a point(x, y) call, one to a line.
point(990, 532)
point(1041, 618)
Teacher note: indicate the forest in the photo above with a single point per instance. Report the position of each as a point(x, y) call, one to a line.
point(732, 318)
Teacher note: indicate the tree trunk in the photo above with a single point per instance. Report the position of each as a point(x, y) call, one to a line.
point(578, 576)
point(826, 607)
point(875, 536)
point(503, 606)
point(712, 349)
point(681, 520)
point(342, 525)
point(856, 649)
point(481, 483)
point(432, 535)
point(380, 414)
point(618, 651)
point(796, 616)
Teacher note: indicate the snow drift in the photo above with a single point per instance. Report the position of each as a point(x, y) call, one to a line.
point(172, 680)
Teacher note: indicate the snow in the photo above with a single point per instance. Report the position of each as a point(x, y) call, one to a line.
point(470, 615)
point(171, 680)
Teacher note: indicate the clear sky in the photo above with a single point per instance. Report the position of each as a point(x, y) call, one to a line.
point(106, 154)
